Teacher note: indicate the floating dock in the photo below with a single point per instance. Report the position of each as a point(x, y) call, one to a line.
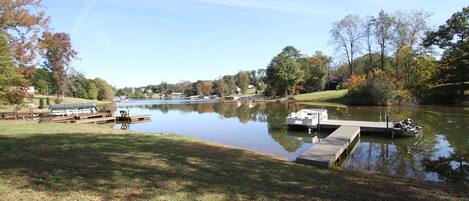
point(329, 150)
point(105, 117)
point(365, 126)
point(136, 118)
point(318, 118)
point(93, 120)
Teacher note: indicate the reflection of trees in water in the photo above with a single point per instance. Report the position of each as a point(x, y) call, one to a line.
point(272, 113)
point(416, 156)
point(398, 156)
point(449, 168)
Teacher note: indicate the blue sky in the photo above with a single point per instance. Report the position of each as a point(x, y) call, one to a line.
point(141, 42)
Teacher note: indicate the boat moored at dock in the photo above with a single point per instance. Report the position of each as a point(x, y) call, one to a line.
point(318, 118)
point(305, 118)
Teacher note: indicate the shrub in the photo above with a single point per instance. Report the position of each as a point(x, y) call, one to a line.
point(403, 97)
point(375, 89)
point(48, 101)
point(15, 96)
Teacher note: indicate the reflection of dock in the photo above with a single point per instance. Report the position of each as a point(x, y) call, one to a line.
point(329, 150)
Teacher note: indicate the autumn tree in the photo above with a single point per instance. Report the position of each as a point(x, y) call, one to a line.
point(58, 52)
point(346, 35)
point(205, 87)
point(23, 21)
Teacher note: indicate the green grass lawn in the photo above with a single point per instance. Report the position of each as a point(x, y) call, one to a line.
point(91, 162)
point(35, 101)
point(322, 96)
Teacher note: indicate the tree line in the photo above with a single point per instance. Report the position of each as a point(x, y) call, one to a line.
point(385, 59)
point(225, 85)
point(32, 55)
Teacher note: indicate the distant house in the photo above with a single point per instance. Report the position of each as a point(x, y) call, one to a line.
point(250, 86)
point(177, 95)
point(238, 90)
point(31, 90)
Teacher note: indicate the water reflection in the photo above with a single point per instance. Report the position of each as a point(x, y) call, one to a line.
point(439, 154)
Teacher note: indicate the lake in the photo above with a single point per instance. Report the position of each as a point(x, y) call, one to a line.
point(440, 153)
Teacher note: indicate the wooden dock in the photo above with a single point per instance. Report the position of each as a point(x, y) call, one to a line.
point(329, 150)
point(93, 120)
point(365, 126)
point(137, 118)
point(96, 117)
point(22, 114)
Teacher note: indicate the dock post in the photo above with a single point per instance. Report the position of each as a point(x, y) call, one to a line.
point(319, 123)
point(387, 127)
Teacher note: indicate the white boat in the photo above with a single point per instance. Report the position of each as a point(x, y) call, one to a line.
point(72, 109)
point(306, 118)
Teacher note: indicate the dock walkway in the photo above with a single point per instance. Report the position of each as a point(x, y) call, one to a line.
point(329, 150)
point(365, 126)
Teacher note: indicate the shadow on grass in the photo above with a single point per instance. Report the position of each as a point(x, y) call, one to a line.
point(132, 167)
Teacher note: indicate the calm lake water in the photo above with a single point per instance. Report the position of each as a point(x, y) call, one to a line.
point(441, 153)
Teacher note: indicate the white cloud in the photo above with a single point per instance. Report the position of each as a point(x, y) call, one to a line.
point(210, 35)
point(308, 7)
point(265, 31)
point(83, 15)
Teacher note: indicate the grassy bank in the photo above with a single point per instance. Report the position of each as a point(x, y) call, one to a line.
point(89, 162)
point(35, 102)
point(322, 96)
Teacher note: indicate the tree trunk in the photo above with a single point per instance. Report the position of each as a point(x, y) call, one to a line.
point(461, 82)
point(382, 57)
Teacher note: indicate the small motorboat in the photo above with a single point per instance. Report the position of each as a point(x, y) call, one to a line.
point(406, 128)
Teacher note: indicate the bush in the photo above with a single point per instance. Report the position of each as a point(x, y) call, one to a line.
point(48, 101)
point(403, 97)
point(375, 89)
point(443, 94)
point(15, 96)
point(41, 103)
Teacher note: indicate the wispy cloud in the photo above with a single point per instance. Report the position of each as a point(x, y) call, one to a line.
point(83, 15)
point(265, 31)
point(308, 7)
point(210, 36)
